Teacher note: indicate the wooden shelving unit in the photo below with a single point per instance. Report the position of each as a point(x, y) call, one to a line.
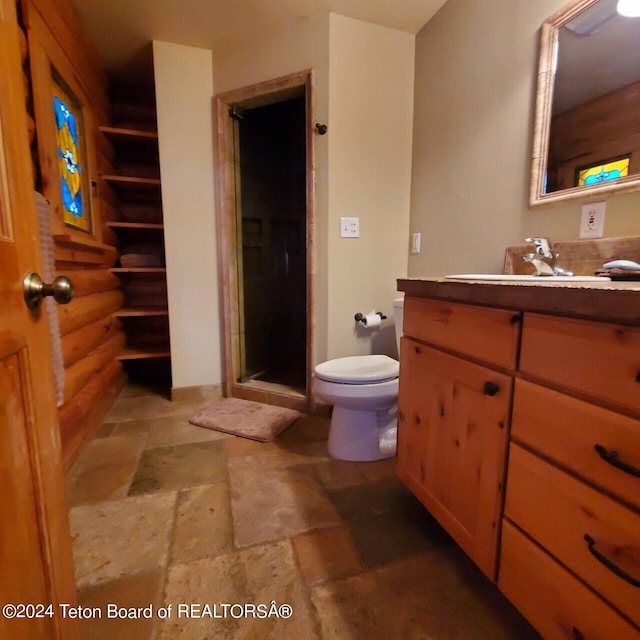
point(135, 180)
point(130, 312)
point(144, 354)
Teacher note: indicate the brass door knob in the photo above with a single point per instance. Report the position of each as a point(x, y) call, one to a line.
point(35, 290)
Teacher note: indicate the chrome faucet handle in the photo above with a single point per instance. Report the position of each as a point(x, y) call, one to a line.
point(542, 247)
point(542, 268)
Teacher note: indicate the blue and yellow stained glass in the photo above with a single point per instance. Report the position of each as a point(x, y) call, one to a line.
point(71, 155)
point(603, 172)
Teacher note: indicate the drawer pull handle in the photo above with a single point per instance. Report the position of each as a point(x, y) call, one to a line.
point(491, 389)
point(611, 457)
point(591, 544)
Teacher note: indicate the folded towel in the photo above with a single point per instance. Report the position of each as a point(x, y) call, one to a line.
point(619, 274)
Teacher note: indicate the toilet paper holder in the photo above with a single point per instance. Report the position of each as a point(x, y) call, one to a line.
point(360, 317)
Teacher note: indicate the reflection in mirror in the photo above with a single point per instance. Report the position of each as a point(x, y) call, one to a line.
point(587, 127)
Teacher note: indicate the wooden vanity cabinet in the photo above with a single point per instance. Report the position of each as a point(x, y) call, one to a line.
point(453, 415)
point(548, 407)
point(572, 509)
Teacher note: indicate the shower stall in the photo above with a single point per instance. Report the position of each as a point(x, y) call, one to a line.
point(271, 248)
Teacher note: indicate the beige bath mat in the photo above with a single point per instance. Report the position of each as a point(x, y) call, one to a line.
point(245, 418)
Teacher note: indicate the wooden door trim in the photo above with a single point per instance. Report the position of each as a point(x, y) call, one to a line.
point(261, 94)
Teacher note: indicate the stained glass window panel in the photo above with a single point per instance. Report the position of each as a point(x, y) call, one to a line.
point(603, 172)
point(71, 156)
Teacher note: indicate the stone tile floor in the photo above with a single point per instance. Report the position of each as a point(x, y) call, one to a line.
point(166, 514)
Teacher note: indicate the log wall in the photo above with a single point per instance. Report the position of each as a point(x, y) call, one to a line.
point(91, 336)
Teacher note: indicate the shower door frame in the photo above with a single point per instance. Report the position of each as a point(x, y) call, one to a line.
point(262, 94)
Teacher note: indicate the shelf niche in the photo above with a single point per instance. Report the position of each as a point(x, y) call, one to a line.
point(134, 180)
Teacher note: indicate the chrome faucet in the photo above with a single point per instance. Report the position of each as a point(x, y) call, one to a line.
point(543, 259)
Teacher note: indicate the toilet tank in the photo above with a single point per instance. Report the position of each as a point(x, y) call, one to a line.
point(398, 313)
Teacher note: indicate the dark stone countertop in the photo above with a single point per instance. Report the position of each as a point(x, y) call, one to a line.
point(608, 301)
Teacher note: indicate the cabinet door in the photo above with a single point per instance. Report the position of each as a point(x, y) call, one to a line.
point(452, 434)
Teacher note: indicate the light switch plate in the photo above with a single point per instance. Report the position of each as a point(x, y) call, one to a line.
point(349, 227)
point(415, 242)
point(592, 220)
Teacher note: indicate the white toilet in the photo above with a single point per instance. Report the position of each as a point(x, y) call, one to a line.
point(364, 393)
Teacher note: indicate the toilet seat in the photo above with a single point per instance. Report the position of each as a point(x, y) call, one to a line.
point(358, 369)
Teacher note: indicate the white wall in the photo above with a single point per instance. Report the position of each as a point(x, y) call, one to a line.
point(371, 74)
point(184, 91)
point(363, 77)
point(363, 91)
point(302, 46)
point(476, 67)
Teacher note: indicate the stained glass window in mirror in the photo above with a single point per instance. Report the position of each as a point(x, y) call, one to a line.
point(72, 156)
point(603, 172)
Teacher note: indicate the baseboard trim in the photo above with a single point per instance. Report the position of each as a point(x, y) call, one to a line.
point(202, 392)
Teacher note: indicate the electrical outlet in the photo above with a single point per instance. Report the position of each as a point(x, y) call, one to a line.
point(349, 227)
point(592, 220)
point(415, 242)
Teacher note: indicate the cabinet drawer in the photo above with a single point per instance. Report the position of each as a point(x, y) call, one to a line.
point(551, 598)
point(594, 358)
point(490, 335)
point(568, 430)
point(560, 513)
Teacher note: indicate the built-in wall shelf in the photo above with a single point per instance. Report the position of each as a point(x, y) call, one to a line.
point(135, 226)
point(132, 182)
point(134, 179)
point(83, 243)
point(144, 353)
point(140, 270)
point(126, 135)
point(128, 312)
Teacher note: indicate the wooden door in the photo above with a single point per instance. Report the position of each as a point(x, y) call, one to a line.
point(35, 545)
point(452, 437)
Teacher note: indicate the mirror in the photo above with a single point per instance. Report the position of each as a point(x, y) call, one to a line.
point(587, 122)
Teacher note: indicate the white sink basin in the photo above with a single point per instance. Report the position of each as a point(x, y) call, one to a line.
point(525, 278)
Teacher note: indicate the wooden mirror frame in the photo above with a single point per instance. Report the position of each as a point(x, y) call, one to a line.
point(542, 123)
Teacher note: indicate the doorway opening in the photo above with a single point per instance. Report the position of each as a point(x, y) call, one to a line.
point(271, 222)
point(266, 211)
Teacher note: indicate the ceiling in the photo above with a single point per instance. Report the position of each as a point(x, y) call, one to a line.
point(122, 29)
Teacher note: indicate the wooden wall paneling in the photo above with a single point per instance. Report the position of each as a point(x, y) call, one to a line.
point(74, 257)
point(107, 193)
point(46, 53)
point(104, 147)
point(86, 282)
point(79, 343)
point(87, 309)
point(76, 375)
point(109, 213)
point(104, 165)
point(92, 337)
point(40, 74)
point(64, 28)
point(108, 235)
point(82, 416)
